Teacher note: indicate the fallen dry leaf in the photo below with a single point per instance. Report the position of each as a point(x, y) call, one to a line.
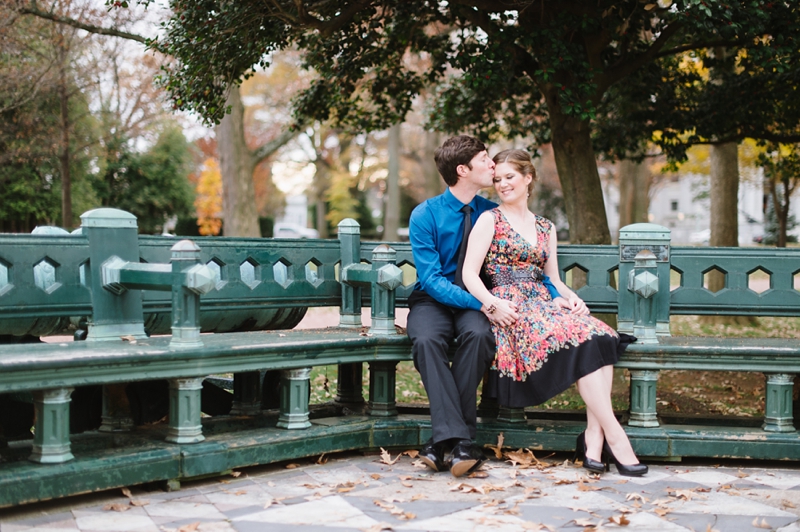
point(189, 528)
point(762, 524)
point(322, 459)
point(478, 474)
point(620, 520)
point(584, 487)
point(411, 453)
point(585, 522)
point(417, 497)
point(742, 474)
point(139, 502)
point(562, 481)
point(375, 476)
point(292, 466)
point(788, 504)
point(127, 493)
point(386, 458)
point(379, 527)
point(498, 449)
point(661, 512)
point(521, 457)
point(635, 496)
point(236, 474)
point(116, 507)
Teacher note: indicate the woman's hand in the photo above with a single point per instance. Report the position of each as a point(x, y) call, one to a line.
point(574, 304)
point(502, 312)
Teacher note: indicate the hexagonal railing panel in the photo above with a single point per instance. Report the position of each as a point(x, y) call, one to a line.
point(759, 280)
point(282, 272)
point(675, 278)
point(85, 273)
point(44, 275)
point(409, 273)
point(250, 273)
point(313, 271)
point(796, 280)
point(714, 279)
point(5, 277)
point(217, 267)
point(575, 276)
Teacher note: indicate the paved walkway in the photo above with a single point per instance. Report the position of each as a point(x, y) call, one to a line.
point(351, 492)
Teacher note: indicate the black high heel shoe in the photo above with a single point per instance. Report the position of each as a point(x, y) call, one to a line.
point(632, 470)
point(580, 453)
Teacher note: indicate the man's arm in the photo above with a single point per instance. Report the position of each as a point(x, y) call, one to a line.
point(429, 265)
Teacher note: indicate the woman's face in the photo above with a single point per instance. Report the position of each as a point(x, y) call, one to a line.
point(510, 184)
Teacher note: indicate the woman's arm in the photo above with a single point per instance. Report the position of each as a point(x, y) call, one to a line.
point(568, 299)
point(498, 310)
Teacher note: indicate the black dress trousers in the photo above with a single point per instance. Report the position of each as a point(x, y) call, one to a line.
point(452, 388)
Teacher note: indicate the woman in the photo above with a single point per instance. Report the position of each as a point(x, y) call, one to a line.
point(553, 343)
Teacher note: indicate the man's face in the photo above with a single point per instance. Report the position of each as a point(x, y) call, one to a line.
point(482, 171)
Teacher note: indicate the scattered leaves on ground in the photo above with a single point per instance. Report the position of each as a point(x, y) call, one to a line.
point(386, 458)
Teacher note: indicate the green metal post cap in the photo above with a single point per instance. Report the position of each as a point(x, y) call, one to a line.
point(106, 217)
point(644, 231)
point(185, 249)
point(389, 276)
point(383, 253)
point(645, 284)
point(348, 226)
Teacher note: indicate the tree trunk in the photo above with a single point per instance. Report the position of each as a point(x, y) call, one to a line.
point(434, 184)
point(724, 160)
point(580, 181)
point(236, 165)
point(66, 176)
point(780, 206)
point(724, 193)
point(391, 203)
point(322, 177)
point(634, 192)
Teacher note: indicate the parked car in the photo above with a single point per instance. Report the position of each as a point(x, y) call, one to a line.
point(287, 230)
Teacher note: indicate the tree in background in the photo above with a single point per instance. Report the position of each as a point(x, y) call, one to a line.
point(533, 68)
point(208, 199)
point(781, 164)
point(154, 185)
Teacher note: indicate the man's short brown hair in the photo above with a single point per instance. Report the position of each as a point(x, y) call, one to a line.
point(454, 152)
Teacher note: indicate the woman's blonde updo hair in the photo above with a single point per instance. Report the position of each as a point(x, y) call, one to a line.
point(522, 163)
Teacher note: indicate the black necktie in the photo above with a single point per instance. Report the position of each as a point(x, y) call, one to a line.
point(462, 250)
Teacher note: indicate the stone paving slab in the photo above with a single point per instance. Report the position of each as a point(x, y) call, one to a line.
point(353, 492)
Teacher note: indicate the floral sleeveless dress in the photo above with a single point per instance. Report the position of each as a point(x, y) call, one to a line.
point(548, 348)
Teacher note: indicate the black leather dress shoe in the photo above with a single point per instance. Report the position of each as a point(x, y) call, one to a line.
point(432, 455)
point(465, 458)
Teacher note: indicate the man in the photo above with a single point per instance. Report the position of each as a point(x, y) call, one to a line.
point(441, 309)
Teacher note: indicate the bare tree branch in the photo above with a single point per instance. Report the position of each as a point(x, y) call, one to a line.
point(80, 25)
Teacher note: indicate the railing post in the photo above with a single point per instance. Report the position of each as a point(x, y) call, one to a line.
point(190, 278)
point(644, 283)
point(511, 415)
point(184, 411)
point(294, 399)
point(112, 232)
point(382, 380)
point(51, 443)
point(348, 387)
point(643, 398)
point(247, 393)
point(778, 407)
point(350, 246)
point(388, 277)
point(632, 240)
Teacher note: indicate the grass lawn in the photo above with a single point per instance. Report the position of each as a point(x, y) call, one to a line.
point(685, 392)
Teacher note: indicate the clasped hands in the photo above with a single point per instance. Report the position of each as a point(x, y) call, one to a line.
point(574, 304)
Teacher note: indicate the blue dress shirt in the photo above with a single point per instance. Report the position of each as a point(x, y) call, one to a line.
point(435, 231)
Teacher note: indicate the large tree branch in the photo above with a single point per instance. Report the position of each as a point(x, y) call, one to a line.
point(328, 27)
point(697, 46)
point(81, 25)
point(267, 149)
point(622, 70)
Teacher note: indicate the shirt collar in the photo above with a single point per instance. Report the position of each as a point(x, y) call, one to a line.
point(454, 203)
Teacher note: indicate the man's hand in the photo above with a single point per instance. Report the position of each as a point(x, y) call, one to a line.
point(502, 312)
point(574, 304)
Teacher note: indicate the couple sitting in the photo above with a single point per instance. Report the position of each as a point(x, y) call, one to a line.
point(534, 333)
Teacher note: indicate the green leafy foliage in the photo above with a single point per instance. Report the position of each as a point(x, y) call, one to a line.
point(153, 185)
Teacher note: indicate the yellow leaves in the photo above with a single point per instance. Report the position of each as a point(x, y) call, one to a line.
point(208, 200)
